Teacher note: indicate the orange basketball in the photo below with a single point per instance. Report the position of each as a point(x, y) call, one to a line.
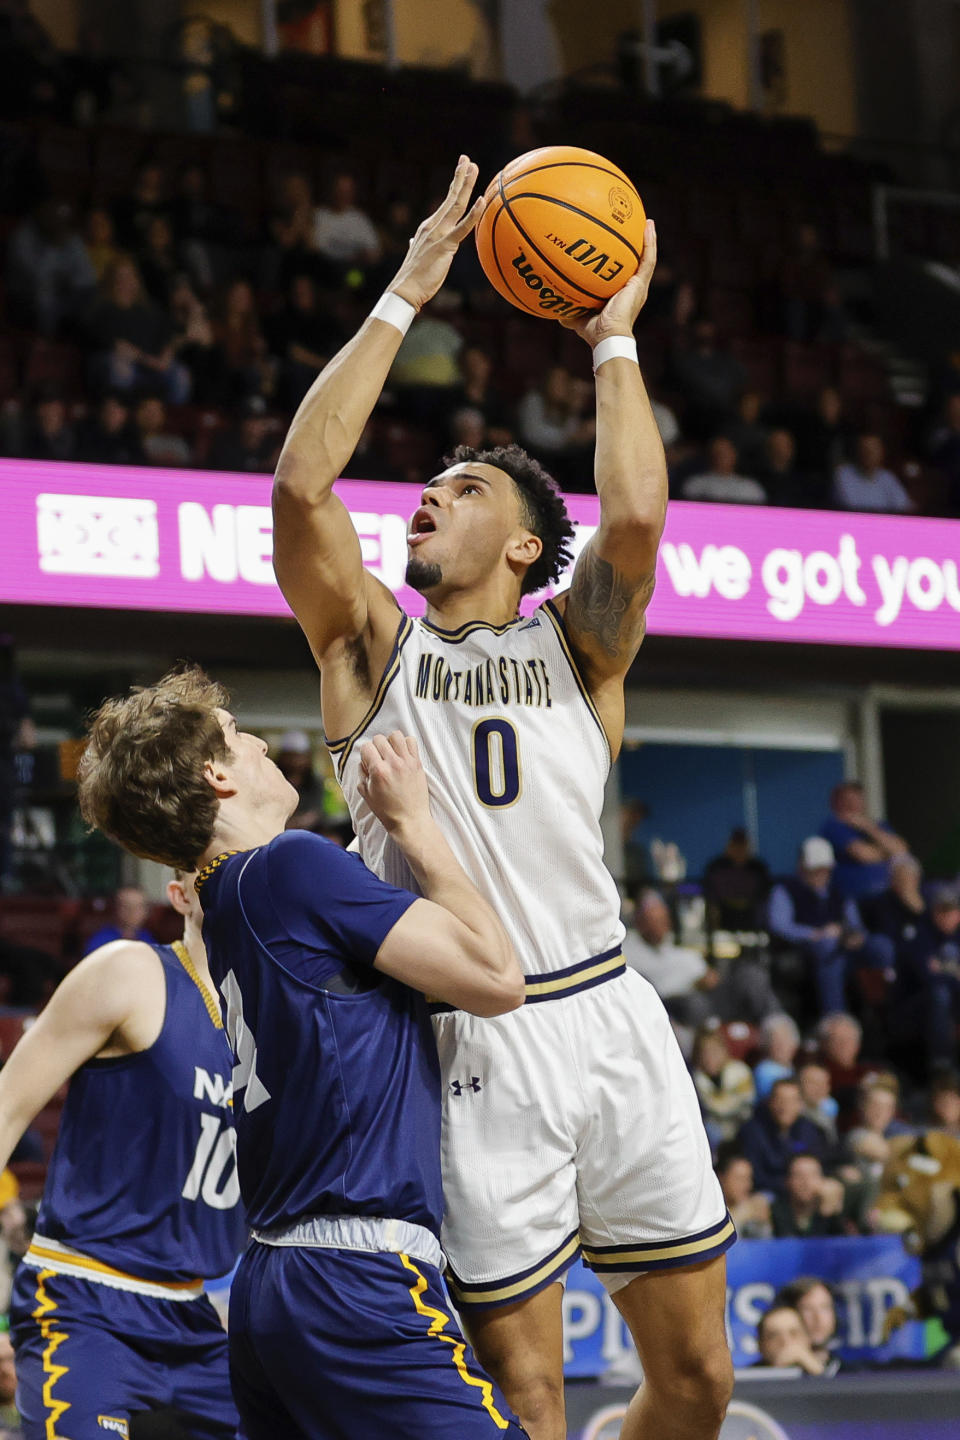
point(561, 231)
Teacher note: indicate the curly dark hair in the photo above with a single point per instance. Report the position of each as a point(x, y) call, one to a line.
point(543, 509)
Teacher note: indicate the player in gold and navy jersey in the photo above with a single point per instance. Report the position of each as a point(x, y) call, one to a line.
point(142, 1201)
point(339, 1326)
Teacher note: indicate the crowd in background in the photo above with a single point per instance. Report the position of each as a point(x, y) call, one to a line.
point(191, 341)
point(819, 1018)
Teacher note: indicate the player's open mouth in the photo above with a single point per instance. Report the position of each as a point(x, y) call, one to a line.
point(422, 525)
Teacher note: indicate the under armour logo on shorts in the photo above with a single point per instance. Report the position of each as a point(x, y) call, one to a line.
point(458, 1086)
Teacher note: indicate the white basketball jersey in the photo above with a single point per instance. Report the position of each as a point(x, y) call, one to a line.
point(516, 760)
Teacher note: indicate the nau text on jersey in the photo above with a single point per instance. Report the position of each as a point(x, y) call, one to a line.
point(517, 682)
point(212, 1087)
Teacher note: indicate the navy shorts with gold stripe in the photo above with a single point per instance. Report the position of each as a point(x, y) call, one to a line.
point(90, 1358)
point(332, 1344)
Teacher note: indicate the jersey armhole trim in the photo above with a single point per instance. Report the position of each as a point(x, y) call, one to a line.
point(557, 621)
point(341, 748)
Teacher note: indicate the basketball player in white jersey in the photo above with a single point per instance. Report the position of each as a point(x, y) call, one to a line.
point(571, 1124)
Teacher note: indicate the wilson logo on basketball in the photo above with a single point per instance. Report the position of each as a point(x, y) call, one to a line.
point(621, 206)
point(547, 298)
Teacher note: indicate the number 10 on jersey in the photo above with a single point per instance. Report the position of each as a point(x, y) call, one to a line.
point(497, 777)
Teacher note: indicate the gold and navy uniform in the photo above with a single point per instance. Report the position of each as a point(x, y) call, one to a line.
point(142, 1204)
point(338, 1319)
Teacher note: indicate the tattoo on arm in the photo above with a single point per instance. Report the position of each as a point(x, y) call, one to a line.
point(608, 608)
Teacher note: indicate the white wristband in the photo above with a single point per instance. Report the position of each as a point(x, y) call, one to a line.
point(617, 347)
point(394, 310)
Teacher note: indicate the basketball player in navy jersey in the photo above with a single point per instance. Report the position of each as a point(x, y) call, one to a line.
point(579, 1131)
point(142, 1200)
point(339, 1328)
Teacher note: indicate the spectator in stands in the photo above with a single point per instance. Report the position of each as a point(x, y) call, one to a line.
point(866, 484)
point(724, 1085)
point(290, 229)
point(99, 243)
point(241, 343)
point(822, 436)
point(839, 1037)
point(160, 445)
point(478, 391)
point(811, 1205)
point(467, 427)
point(158, 261)
point(201, 227)
point(679, 974)
point(782, 478)
point(250, 445)
point(748, 433)
point(749, 1211)
point(925, 1006)
point(944, 449)
point(808, 293)
point(48, 434)
point(783, 1341)
point(863, 847)
point(193, 340)
point(780, 1040)
point(295, 760)
point(303, 337)
point(809, 913)
point(736, 885)
point(894, 915)
point(775, 1132)
point(109, 437)
point(133, 212)
point(944, 1103)
point(18, 735)
point(9, 1414)
point(818, 1103)
point(343, 234)
point(369, 460)
point(815, 1303)
point(709, 380)
point(134, 338)
point(49, 275)
point(720, 482)
point(130, 910)
point(668, 425)
point(867, 1145)
point(555, 424)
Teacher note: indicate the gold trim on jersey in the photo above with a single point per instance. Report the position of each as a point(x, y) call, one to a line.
point(579, 980)
point(467, 628)
point(342, 748)
point(204, 875)
point(515, 1287)
point(557, 621)
point(54, 1258)
point(439, 1321)
point(183, 955)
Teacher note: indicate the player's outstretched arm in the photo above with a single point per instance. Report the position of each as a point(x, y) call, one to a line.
point(450, 945)
point(316, 551)
point(116, 990)
point(614, 576)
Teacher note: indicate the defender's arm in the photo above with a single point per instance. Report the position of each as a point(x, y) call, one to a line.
point(613, 581)
point(316, 550)
point(93, 1004)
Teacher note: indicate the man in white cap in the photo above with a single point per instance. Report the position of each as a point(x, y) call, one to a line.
point(295, 762)
point(807, 912)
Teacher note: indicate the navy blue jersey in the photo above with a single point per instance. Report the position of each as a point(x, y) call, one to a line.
point(337, 1081)
point(144, 1175)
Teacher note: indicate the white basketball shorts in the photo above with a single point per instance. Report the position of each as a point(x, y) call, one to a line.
point(572, 1126)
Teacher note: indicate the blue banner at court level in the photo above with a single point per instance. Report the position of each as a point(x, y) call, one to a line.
point(869, 1275)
